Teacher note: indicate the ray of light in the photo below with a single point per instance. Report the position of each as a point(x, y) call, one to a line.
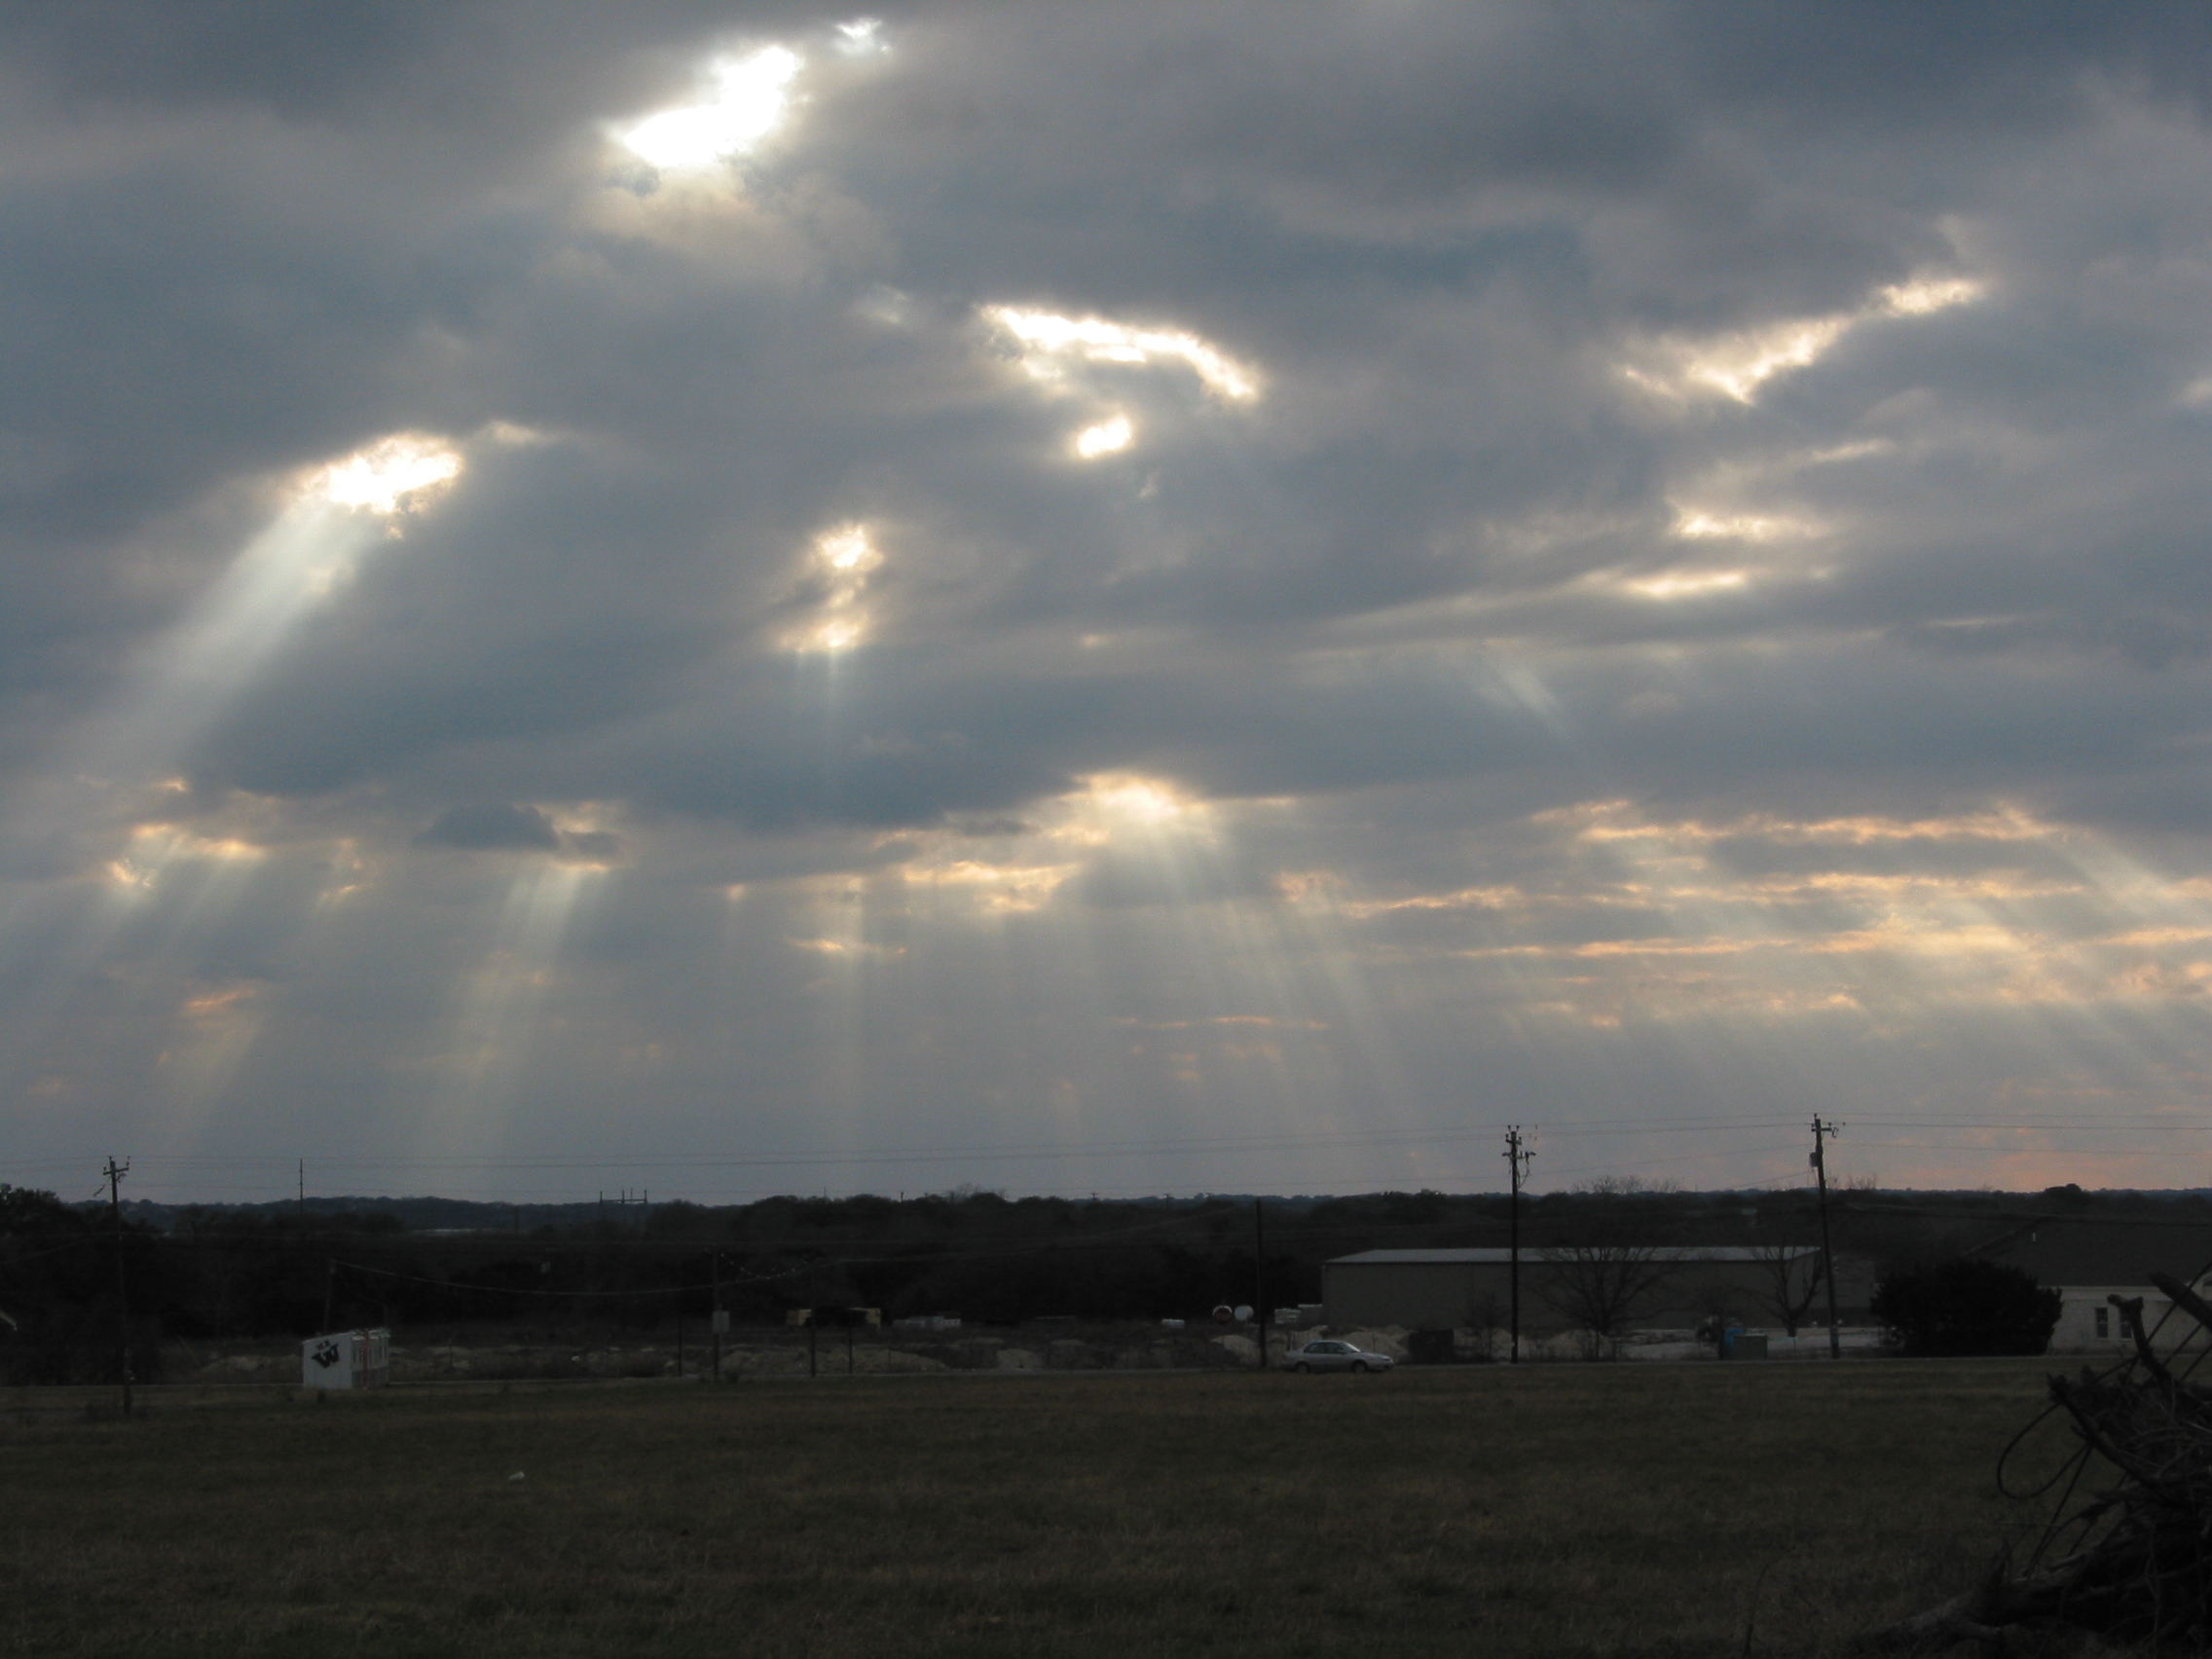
point(502, 1002)
point(848, 961)
point(2037, 938)
point(216, 1029)
point(1245, 1021)
point(227, 638)
point(842, 561)
point(114, 780)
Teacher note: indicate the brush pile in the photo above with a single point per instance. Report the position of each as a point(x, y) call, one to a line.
point(2129, 1558)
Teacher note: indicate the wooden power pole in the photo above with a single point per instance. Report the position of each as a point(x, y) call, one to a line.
point(115, 1174)
point(1822, 1133)
point(1517, 1157)
point(1260, 1275)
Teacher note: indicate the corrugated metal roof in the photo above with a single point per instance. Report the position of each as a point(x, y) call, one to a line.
point(2099, 1250)
point(1538, 1252)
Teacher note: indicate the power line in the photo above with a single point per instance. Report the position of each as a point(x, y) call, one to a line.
point(1283, 1140)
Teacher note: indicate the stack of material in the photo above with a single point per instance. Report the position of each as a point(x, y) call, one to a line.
point(2131, 1562)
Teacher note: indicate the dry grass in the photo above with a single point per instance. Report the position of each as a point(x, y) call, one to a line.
point(1553, 1510)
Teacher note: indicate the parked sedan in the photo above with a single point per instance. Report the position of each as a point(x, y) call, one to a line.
point(1330, 1355)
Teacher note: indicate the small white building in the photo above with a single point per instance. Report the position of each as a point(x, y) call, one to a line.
point(2089, 1323)
point(2090, 1260)
point(347, 1359)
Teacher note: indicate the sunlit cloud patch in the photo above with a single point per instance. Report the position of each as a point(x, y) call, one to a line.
point(1738, 365)
point(385, 474)
point(1688, 584)
point(1697, 525)
point(1687, 916)
point(861, 37)
point(155, 848)
point(1108, 437)
point(1048, 340)
point(751, 98)
point(843, 559)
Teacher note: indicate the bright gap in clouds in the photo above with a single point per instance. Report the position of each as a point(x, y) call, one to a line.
point(752, 96)
point(385, 474)
point(1108, 437)
point(844, 557)
point(861, 37)
point(1688, 584)
point(1137, 799)
point(1094, 339)
point(1695, 526)
point(1736, 365)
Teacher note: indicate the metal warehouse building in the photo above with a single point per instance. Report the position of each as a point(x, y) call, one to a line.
point(1661, 1287)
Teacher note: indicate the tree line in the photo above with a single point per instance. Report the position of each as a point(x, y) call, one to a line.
point(200, 1273)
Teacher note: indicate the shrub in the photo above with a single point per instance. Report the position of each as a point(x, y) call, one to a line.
point(1965, 1307)
point(1430, 1347)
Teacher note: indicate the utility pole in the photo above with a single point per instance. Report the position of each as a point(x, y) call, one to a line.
point(329, 1290)
point(718, 1319)
point(1822, 1134)
point(1260, 1274)
point(1516, 1161)
point(303, 1194)
point(115, 1174)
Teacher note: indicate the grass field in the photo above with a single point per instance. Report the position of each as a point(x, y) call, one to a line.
point(1551, 1510)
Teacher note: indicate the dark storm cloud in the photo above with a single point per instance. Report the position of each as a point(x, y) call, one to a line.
point(478, 827)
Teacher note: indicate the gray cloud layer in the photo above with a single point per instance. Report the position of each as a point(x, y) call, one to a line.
point(1704, 617)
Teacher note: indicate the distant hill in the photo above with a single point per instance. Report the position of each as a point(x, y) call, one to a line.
point(429, 1214)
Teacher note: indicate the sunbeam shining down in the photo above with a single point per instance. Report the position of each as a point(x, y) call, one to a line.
point(337, 517)
point(500, 1003)
point(114, 783)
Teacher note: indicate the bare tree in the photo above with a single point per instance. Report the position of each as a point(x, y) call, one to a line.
point(1599, 1289)
point(1792, 1279)
point(1488, 1316)
point(1625, 1187)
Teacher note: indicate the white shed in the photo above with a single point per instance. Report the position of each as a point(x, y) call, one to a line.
point(347, 1359)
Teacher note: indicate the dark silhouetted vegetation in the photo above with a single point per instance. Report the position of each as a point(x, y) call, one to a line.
point(1965, 1307)
point(285, 1270)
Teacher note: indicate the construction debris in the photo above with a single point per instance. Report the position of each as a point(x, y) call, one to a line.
point(2126, 1552)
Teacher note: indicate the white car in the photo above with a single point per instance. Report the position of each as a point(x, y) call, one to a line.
point(1327, 1355)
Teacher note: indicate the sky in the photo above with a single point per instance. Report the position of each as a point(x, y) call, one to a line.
point(1102, 598)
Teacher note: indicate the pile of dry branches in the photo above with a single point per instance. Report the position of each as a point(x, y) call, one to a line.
point(2132, 1561)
